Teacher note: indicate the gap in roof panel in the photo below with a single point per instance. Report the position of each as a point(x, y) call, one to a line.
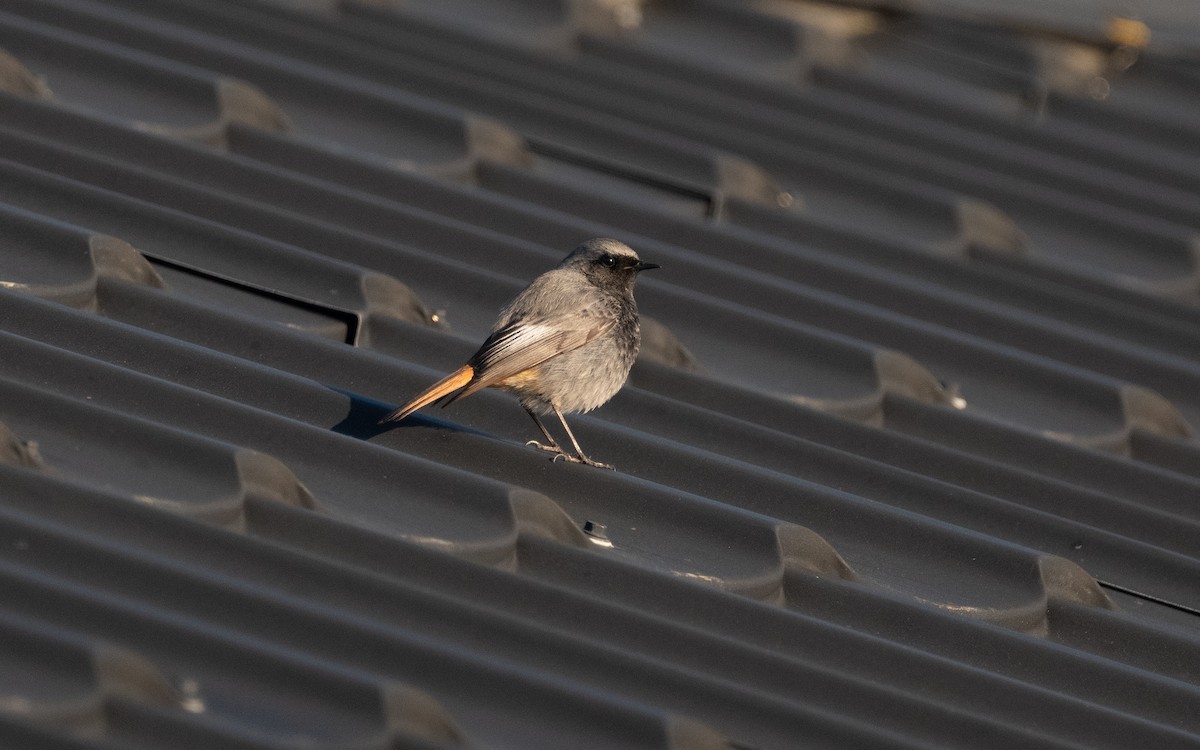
point(953, 513)
point(259, 306)
point(1156, 611)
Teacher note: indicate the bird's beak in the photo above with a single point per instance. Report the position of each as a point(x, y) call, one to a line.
point(642, 265)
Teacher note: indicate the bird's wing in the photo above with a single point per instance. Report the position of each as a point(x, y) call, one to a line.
point(523, 344)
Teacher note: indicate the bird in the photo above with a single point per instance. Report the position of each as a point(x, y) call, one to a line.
point(563, 345)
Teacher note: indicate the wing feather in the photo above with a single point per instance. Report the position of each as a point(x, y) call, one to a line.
point(523, 344)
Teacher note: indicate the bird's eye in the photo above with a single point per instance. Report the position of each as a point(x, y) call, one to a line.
point(608, 261)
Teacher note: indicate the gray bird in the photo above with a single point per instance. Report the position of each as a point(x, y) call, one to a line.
point(563, 345)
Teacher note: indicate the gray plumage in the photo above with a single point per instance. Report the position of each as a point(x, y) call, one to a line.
point(563, 345)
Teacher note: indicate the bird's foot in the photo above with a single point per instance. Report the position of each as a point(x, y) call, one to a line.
point(548, 448)
point(559, 453)
point(582, 459)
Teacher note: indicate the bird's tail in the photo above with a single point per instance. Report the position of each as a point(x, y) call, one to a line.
point(439, 390)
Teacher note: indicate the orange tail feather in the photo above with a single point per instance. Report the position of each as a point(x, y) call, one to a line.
point(444, 387)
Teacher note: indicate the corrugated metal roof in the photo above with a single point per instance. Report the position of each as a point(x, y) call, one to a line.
point(908, 459)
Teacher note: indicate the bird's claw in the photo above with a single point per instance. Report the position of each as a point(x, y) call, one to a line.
point(560, 453)
point(597, 464)
point(548, 448)
point(581, 459)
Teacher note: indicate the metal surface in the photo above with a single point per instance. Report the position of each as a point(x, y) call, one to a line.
point(908, 460)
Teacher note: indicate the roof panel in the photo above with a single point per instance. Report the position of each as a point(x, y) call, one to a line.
point(908, 459)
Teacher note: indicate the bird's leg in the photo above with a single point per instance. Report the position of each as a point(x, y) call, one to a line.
point(553, 446)
point(578, 457)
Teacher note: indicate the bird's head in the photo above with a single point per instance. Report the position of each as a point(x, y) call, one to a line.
point(608, 263)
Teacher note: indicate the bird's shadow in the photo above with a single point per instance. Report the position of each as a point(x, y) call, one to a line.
point(362, 419)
